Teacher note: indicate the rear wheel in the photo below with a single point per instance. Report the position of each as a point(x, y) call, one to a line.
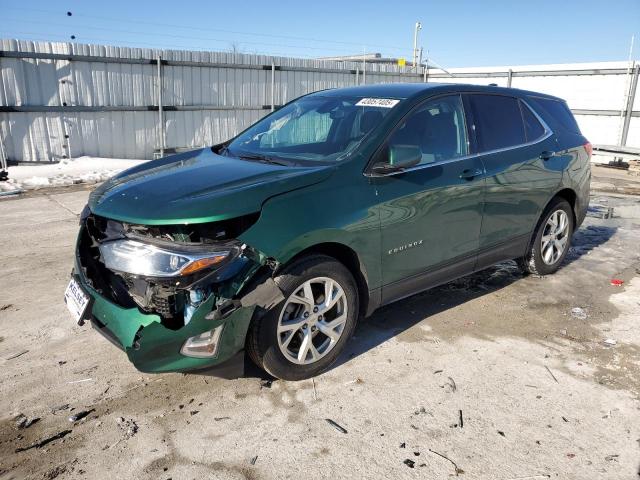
point(303, 335)
point(551, 239)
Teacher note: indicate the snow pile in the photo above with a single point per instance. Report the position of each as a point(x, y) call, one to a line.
point(67, 172)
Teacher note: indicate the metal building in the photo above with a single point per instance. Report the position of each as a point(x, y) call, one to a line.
point(67, 99)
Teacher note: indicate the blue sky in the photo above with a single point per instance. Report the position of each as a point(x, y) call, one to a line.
point(455, 32)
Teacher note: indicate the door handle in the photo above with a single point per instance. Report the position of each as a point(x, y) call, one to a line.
point(547, 154)
point(470, 173)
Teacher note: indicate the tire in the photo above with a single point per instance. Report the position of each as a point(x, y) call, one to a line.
point(538, 259)
point(292, 346)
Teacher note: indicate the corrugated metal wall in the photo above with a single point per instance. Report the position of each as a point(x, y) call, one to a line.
point(102, 100)
point(225, 99)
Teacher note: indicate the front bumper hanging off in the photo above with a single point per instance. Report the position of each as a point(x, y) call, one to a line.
point(154, 348)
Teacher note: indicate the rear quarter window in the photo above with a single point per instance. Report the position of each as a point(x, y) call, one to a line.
point(558, 113)
point(533, 129)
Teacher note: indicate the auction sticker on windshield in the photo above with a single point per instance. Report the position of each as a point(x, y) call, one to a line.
point(378, 102)
point(76, 300)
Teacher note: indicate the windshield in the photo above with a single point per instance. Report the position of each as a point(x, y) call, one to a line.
point(312, 128)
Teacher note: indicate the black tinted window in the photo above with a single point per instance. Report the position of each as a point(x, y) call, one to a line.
point(533, 129)
point(560, 113)
point(498, 121)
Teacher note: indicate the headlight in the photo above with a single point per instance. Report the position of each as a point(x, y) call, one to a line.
point(139, 258)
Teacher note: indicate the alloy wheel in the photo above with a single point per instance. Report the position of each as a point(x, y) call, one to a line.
point(555, 237)
point(312, 320)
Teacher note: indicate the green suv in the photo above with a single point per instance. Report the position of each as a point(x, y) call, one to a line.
point(274, 243)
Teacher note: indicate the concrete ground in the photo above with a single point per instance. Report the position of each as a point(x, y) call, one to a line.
point(492, 376)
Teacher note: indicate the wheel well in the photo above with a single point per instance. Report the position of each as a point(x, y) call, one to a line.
point(349, 258)
point(571, 197)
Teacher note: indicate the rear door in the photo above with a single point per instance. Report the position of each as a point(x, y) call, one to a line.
point(516, 148)
point(430, 214)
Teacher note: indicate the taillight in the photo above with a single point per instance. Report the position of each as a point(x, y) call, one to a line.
point(589, 149)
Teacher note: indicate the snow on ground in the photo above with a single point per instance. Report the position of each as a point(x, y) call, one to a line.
point(66, 172)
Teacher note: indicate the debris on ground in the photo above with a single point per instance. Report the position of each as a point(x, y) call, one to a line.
point(266, 383)
point(460, 421)
point(218, 419)
point(357, 381)
point(403, 445)
point(55, 472)
point(16, 355)
point(254, 460)
point(129, 427)
point(335, 425)
point(579, 313)
point(6, 306)
point(59, 408)
point(80, 415)
point(22, 421)
point(532, 477)
point(450, 385)
point(611, 458)
point(551, 373)
point(609, 342)
point(501, 433)
point(457, 470)
point(80, 381)
point(409, 463)
point(44, 442)
point(616, 282)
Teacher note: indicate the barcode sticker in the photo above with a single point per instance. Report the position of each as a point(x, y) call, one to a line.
point(378, 102)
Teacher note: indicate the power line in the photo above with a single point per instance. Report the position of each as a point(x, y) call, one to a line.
point(189, 37)
point(191, 27)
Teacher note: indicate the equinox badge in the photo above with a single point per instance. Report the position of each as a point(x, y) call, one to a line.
point(402, 248)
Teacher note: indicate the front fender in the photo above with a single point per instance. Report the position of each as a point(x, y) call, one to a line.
point(338, 210)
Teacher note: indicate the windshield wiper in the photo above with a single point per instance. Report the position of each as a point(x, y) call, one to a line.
point(261, 158)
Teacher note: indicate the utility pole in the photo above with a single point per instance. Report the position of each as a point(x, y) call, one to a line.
point(415, 45)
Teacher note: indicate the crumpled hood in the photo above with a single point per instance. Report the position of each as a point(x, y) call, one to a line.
point(195, 187)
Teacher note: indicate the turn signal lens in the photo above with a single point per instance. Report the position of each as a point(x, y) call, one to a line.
point(201, 263)
point(204, 345)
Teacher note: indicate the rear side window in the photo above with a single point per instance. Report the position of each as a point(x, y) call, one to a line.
point(560, 113)
point(498, 121)
point(533, 129)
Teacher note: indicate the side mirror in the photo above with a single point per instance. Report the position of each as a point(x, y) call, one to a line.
point(400, 157)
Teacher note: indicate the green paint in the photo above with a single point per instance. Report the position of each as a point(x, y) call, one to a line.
point(447, 217)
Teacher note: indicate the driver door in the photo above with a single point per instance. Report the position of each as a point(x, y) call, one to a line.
point(430, 213)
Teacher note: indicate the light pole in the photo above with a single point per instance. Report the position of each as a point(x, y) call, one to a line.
point(415, 45)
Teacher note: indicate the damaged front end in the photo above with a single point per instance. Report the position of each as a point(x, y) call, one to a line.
point(174, 297)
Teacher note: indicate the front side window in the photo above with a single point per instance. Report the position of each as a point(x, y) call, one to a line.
point(312, 128)
point(437, 128)
point(498, 121)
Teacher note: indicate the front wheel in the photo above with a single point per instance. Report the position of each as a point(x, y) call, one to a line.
point(303, 335)
point(551, 239)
